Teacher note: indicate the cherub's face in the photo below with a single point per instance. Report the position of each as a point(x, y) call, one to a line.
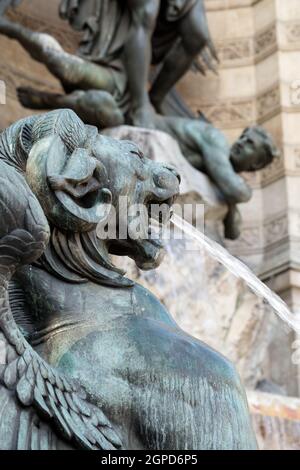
point(249, 153)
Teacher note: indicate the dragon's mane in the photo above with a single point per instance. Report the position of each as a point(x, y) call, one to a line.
point(72, 257)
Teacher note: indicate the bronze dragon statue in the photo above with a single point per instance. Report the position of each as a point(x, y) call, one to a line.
point(92, 360)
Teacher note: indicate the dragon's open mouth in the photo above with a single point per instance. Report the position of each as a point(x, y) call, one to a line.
point(147, 248)
point(159, 214)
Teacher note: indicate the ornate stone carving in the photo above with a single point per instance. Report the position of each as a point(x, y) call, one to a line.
point(247, 50)
point(251, 237)
point(293, 31)
point(268, 103)
point(276, 229)
point(230, 113)
point(235, 50)
point(265, 42)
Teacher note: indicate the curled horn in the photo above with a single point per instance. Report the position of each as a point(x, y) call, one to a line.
point(16, 143)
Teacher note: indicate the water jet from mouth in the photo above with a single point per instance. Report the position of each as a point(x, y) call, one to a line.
point(240, 270)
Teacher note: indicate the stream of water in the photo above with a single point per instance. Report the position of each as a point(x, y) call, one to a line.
point(240, 270)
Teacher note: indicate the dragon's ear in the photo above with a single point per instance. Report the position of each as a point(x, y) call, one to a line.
point(16, 142)
point(24, 142)
point(71, 188)
point(79, 183)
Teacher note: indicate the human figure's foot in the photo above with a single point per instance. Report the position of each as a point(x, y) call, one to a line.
point(157, 104)
point(143, 116)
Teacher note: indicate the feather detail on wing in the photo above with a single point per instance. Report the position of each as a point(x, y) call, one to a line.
point(20, 427)
point(31, 391)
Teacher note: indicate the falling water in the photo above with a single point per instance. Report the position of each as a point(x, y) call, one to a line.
point(240, 270)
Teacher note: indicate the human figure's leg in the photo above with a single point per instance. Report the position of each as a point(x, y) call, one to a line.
point(194, 36)
point(73, 72)
point(35, 99)
point(94, 107)
point(137, 54)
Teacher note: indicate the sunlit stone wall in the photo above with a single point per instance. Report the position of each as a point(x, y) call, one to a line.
point(259, 47)
point(17, 68)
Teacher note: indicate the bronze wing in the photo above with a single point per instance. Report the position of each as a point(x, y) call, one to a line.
point(39, 407)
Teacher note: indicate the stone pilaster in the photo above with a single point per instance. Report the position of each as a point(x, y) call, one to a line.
point(259, 82)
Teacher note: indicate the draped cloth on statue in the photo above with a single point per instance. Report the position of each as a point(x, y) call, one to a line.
point(107, 23)
point(173, 10)
point(166, 32)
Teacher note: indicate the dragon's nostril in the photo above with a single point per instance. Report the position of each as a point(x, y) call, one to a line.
point(173, 170)
point(178, 177)
point(165, 179)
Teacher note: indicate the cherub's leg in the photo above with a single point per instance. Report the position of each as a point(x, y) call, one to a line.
point(36, 99)
point(73, 72)
point(94, 107)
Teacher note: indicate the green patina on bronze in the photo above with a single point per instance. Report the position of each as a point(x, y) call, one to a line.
point(103, 365)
